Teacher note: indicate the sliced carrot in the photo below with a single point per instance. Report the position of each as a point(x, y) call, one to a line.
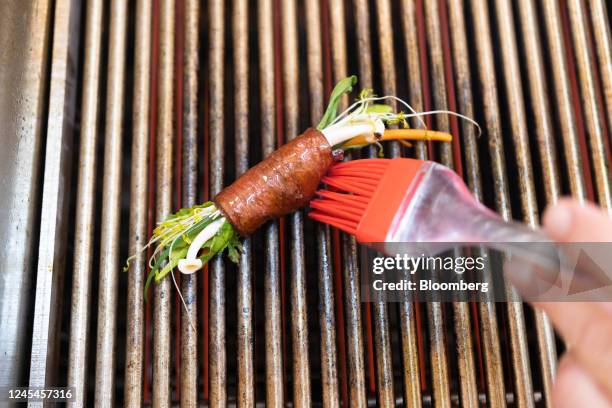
point(402, 135)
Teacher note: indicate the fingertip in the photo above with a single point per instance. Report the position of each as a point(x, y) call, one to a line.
point(557, 219)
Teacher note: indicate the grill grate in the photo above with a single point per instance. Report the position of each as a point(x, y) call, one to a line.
point(150, 106)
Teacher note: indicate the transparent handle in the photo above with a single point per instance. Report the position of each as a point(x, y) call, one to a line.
point(440, 209)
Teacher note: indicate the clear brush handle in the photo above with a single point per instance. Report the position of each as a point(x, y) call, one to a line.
point(439, 208)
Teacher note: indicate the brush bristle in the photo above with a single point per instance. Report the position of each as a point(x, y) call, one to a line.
point(351, 187)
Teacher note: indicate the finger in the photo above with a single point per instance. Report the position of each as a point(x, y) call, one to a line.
point(587, 265)
point(574, 387)
point(587, 329)
point(605, 306)
point(570, 221)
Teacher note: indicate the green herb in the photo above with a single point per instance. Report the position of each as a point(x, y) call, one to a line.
point(173, 236)
point(224, 238)
point(343, 87)
point(379, 108)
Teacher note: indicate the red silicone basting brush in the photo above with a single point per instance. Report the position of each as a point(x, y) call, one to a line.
point(414, 207)
point(408, 200)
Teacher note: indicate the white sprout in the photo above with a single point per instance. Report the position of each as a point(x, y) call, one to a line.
point(338, 134)
point(185, 224)
point(356, 121)
point(191, 263)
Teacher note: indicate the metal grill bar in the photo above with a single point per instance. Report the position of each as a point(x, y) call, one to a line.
point(486, 71)
point(442, 79)
point(517, 115)
point(538, 97)
point(548, 157)
point(465, 355)
point(518, 128)
point(354, 334)
point(592, 111)
point(603, 43)
point(25, 40)
point(439, 365)
point(299, 325)
point(246, 381)
point(218, 362)
point(327, 318)
point(327, 322)
point(412, 383)
point(467, 370)
point(152, 190)
point(111, 190)
point(84, 223)
point(436, 58)
point(561, 82)
point(189, 112)
point(338, 40)
point(384, 365)
point(488, 318)
point(139, 192)
point(413, 53)
point(382, 340)
point(408, 326)
point(274, 357)
point(364, 47)
point(354, 338)
point(53, 227)
point(387, 59)
point(162, 306)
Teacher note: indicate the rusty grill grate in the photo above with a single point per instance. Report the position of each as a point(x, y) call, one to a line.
point(117, 113)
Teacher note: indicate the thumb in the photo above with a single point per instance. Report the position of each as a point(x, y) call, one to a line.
point(571, 221)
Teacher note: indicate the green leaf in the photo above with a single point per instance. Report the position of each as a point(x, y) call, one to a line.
point(154, 269)
point(191, 234)
point(148, 283)
point(226, 237)
point(173, 260)
point(217, 243)
point(381, 152)
point(233, 254)
point(379, 108)
point(341, 88)
point(187, 211)
point(160, 258)
point(234, 248)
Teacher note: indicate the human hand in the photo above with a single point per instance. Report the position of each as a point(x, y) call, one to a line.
point(584, 375)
